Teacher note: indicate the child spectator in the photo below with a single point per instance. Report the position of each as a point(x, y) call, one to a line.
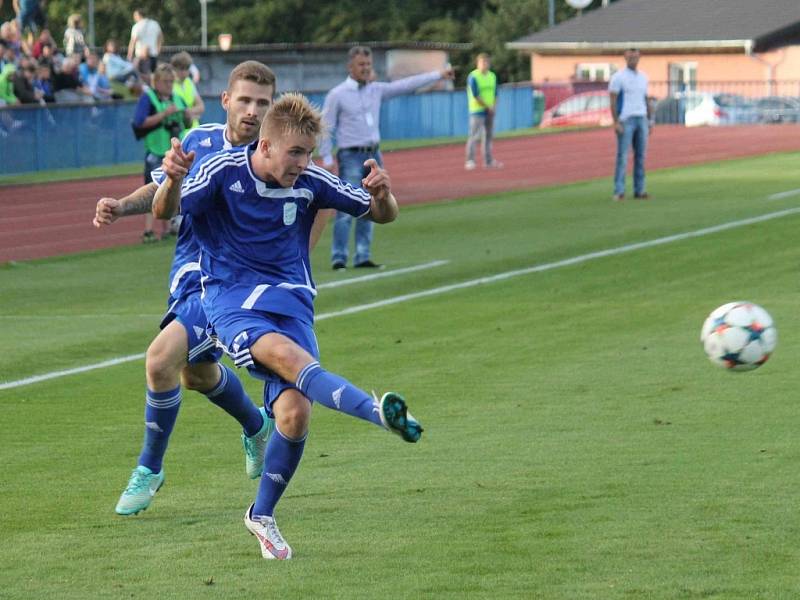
point(91, 77)
point(44, 83)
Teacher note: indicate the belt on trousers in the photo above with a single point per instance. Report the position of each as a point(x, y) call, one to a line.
point(366, 149)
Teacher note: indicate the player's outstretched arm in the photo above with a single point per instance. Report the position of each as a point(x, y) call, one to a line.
point(383, 208)
point(176, 165)
point(139, 202)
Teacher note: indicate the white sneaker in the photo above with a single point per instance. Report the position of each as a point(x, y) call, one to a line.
point(273, 546)
point(469, 165)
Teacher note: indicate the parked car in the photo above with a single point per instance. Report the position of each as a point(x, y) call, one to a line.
point(586, 108)
point(710, 108)
point(777, 109)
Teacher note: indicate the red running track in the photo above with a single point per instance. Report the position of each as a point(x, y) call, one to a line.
point(52, 219)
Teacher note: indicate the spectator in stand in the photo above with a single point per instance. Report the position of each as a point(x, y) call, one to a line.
point(44, 83)
point(6, 55)
point(91, 77)
point(74, 42)
point(7, 71)
point(44, 39)
point(184, 87)
point(23, 81)
point(9, 33)
point(67, 84)
point(145, 44)
point(30, 16)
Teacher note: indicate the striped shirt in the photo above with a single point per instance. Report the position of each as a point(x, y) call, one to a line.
point(254, 235)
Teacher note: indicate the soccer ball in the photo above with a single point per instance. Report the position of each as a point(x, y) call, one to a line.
point(739, 336)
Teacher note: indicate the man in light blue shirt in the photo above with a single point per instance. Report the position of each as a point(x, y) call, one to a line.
point(352, 111)
point(632, 123)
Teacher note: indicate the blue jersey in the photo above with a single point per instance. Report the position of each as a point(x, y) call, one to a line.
point(184, 276)
point(254, 235)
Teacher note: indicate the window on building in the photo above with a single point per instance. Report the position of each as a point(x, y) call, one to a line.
point(682, 77)
point(594, 71)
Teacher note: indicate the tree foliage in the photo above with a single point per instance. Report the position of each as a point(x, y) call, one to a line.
point(487, 24)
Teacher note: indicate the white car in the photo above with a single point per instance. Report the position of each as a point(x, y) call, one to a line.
point(710, 108)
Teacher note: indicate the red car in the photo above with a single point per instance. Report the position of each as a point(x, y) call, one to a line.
point(586, 109)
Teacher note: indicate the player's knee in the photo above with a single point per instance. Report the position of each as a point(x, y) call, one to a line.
point(282, 356)
point(161, 369)
point(201, 377)
point(292, 414)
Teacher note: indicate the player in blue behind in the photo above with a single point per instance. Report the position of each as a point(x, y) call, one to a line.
point(182, 351)
point(252, 210)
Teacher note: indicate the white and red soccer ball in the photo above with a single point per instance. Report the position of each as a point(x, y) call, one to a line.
point(739, 336)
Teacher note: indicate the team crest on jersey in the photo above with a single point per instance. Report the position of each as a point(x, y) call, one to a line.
point(289, 213)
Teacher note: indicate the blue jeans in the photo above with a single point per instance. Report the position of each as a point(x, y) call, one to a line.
point(634, 132)
point(351, 170)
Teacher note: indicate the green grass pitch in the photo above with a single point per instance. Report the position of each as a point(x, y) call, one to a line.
point(578, 444)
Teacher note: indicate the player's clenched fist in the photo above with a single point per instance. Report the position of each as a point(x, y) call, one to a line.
point(176, 163)
point(377, 181)
point(106, 212)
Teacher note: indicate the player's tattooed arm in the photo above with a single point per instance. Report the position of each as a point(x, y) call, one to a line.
point(139, 202)
point(176, 165)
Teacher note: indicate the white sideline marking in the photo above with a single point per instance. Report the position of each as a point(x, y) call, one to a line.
point(65, 372)
point(459, 286)
point(430, 265)
point(786, 194)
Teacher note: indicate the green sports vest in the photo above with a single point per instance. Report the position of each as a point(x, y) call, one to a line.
point(487, 84)
point(6, 85)
point(186, 91)
point(157, 141)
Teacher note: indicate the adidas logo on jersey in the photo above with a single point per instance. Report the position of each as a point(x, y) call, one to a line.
point(237, 187)
point(199, 332)
point(206, 143)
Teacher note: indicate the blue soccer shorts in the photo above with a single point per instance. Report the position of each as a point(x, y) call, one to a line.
point(189, 312)
point(238, 329)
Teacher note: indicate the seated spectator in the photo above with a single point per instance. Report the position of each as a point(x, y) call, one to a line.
point(74, 42)
point(7, 96)
point(120, 70)
point(67, 85)
point(23, 79)
point(44, 82)
point(91, 77)
point(44, 39)
point(9, 33)
point(6, 55)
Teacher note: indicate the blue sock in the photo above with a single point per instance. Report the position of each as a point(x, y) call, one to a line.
point(328, 389)
point(283, 456)
point(160, 413)
point(230, 396)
